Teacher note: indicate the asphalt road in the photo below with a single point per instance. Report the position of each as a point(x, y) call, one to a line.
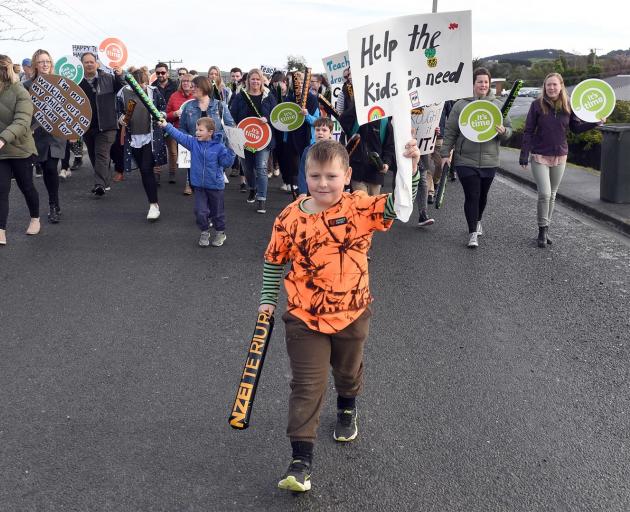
point(496, 379)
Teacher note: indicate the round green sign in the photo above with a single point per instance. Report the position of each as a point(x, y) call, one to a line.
point(287, 116)
point(478, 121)
point(592, 100)
point(70, 67)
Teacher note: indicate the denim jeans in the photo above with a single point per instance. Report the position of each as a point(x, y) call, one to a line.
point(255, 167)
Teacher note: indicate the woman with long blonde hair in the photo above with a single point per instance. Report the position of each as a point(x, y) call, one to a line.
point(214, 75)
point(16, 147)
point(254, 100)
point(545, 145)
point(49, 148)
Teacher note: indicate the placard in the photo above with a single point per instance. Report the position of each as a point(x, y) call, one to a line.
point(592, 100)
point(402, 63)
point(60, 106)
point(478, 121)
point(268, 70)
point(69, 67)
point(257, 133)
point(112, 52)
point(236, 140)
point(334, 67)
point(425, 124)
point(287, 116)
point(79, 49)
point(183, 157)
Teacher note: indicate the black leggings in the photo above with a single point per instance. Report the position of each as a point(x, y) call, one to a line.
point(22, 170)
point(476, 196)
point(51, 179)
point(144, 158)
point(288, 161)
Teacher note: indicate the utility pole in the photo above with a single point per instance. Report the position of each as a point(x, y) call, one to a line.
point(169, 62)
point(434, 6)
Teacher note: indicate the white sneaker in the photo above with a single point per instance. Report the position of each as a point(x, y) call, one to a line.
point(269, 174)
point(284, 187)
point(479, 229)
point(204, 239)
point(154, 212)
point(63, 174)
point(276, 172)
point(68, 173)
point(225, 178)
point(472, 241)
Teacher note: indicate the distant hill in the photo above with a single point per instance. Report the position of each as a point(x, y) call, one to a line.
point(615, 53)
point(530, 54)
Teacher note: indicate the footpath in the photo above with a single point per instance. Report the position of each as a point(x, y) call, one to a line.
point(579, 190)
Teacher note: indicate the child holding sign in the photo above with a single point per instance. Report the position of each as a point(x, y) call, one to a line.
point(208, 158)
point(326, 237)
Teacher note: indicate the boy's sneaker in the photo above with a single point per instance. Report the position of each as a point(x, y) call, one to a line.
point(479, 229)
point(472, 241)
point(243, 187)
point(425, 220)
point(260, 208)
point(63, 173)
point(219, 238)
point(204, 239)
point(346, 427)
point(252, 196)
point(297, 477)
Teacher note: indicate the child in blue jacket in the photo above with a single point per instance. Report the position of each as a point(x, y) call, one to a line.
point(208, 157)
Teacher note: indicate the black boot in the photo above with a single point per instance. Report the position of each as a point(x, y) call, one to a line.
point(542, 237)
point(53, 216)
point(547, 234)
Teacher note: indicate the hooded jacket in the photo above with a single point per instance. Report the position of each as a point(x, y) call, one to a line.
point(208, 158)
point(467, 153)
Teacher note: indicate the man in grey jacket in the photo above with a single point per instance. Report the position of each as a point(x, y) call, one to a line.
point(101, 89)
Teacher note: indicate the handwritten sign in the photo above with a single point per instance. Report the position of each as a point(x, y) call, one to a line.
point(334, 66)
point(406, 62)
point(425, 124)
point(183, 157)
point(60, 106)
point(79, 49)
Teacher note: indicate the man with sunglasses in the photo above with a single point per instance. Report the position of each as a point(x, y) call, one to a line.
point(164, 82)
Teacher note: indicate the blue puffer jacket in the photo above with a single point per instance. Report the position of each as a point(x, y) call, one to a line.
point(207, 158)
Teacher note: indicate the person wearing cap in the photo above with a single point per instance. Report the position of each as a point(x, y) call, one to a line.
point(27, 70)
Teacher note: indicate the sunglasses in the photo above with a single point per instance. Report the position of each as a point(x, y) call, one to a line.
point(160, 72)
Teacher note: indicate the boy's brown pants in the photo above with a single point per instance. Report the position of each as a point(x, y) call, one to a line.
point(311, 353)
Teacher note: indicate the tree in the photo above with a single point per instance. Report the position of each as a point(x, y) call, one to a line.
point(20, 20)
point(296, 63)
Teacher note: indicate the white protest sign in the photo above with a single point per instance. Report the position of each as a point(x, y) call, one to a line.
point(79, 49)
point(425, 125)
point(334, 67)
point(183, 157)
point(406, 62)
point(268, 70)
point(236, 140)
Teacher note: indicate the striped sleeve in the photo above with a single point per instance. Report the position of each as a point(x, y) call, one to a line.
point(390, 213)
point(272, 275)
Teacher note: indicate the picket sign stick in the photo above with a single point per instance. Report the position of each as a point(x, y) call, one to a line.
point(403, 198)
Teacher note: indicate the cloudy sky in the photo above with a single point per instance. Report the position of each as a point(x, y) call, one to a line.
point(248, 33)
